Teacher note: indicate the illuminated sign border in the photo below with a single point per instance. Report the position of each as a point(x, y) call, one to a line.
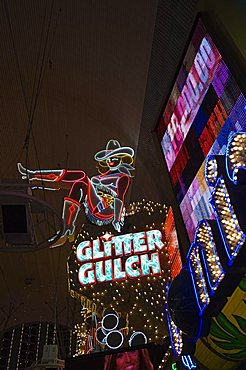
point(101, 259)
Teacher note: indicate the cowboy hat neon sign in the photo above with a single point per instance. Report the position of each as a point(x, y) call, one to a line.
point(101, 260)
point(102, 195)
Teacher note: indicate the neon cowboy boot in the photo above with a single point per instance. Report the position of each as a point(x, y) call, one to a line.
point(46, 175)
point(70, 212)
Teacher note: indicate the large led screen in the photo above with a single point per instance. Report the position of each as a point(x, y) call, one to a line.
point(148, 357)
point(173, 250)
point(204, 107)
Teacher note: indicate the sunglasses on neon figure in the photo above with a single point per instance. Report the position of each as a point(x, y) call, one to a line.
point(140, 249)
point(102, 195)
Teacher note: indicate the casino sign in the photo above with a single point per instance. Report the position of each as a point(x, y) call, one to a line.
point(102, 259)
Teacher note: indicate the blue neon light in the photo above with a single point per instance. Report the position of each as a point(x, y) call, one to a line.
point(188, 363)
point(201, 271)
point(232, 173)
point(199, 330)
point(213, 285)
point(231, 254)
point(171, 327)
point(201, 305)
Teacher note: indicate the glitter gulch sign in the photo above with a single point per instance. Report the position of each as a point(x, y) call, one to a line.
point(114, 258)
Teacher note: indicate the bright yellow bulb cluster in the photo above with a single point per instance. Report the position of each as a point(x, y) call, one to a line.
point(176, 337)
point(211, 171)
point(165, 358)
point(204, 237)
point(229, 222)
point(237, 154)
point(146, 302)
point(149, 207)
point(198, 275)
point(81, 336)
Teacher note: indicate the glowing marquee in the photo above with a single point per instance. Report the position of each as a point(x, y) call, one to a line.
point(119, 257)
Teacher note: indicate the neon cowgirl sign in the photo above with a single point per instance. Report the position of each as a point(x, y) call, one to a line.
point(102, 196)
point(102, 259)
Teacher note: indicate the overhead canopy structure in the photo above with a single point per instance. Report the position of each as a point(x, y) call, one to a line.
point(74, 75)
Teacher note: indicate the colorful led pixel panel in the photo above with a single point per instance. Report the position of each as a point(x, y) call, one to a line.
point(172, 244)
point(205, 106)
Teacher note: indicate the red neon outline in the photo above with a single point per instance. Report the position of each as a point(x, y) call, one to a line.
point(104, 202)
point(126, 188)
point(72, 210)
point(71, 200)
point(81, 179)
point(49, 176)
point(61, 175)
point(100, 216)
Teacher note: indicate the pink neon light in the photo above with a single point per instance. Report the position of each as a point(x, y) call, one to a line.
point(61, 175)
point(79, 179)
point(188, 102)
